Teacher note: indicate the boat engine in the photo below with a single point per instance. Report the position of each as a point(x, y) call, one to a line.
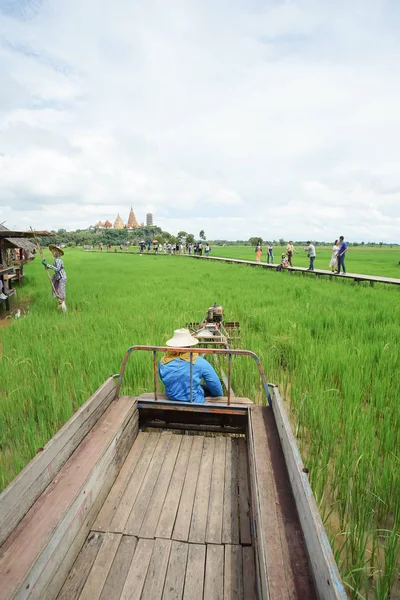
point(215, 314)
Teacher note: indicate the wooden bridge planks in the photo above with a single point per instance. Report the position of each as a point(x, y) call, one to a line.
point(214, 573)
point(101, 567)
point(194, 580)
point(81, 568)
point(167, 518)
point(175, 577)
point(119, 567)
point(230, 522)
point(171, 485)
point(116, 494)
point(154, 584)
point(198, 524)
point(233, 573)
point(124, 508)
point(136, 516)
point(184, 514)
point(137, 573)
point(244, 494)
point(186, 488)
point(155, 506)
point(216, 501)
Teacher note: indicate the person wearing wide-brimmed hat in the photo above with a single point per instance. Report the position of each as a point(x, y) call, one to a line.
point(174, 371)
point(59, 279)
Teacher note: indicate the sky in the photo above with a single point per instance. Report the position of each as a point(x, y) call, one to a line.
point(273, 118)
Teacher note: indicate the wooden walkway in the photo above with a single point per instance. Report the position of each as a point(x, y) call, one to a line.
point(356, 277)
point(175, 525)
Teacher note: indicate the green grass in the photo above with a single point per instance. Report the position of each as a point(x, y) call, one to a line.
point(383, 262)
point(332, 346)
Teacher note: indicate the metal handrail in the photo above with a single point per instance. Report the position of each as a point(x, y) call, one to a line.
point(223, 351)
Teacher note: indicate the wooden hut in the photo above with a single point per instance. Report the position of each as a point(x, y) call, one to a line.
point(15, 251)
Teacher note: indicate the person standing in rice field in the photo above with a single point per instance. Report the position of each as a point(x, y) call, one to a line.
point(59, 279)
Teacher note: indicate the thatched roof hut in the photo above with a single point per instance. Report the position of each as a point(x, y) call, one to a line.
point(22, 243)
point(17, 240)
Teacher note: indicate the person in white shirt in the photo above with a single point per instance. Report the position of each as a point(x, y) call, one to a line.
point(334, 260)
point(310, 248)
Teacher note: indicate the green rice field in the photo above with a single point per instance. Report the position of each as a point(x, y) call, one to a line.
point(333, 347)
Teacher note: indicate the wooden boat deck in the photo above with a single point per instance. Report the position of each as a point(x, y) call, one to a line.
point(176, 524)
point(106, 511)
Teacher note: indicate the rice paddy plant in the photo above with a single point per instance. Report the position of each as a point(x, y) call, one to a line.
point(331, 346)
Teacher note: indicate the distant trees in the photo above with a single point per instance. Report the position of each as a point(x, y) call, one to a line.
point(115, 237)
point(182, 237)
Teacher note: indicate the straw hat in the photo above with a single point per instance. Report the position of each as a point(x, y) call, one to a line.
point(182, 339)
point(53, 247)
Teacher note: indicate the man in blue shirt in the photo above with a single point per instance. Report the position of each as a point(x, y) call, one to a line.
point(174, 371)
point(341, 254)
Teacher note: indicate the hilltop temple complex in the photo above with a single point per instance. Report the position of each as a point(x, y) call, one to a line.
point(119, 224)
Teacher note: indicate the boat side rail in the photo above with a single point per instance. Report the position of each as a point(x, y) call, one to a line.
point(193, 351)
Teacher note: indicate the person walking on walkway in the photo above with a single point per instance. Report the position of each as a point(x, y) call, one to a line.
point(290, 249)
point(334, 260)
point(310, 248)
point(59, 279)
point(341, 255)
point(270, 255)
point(258, 252)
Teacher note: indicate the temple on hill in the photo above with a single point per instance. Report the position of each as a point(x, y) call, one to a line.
point(118, 223)
point(132, 222)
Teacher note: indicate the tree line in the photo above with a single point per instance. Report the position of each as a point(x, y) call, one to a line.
point(115, 237)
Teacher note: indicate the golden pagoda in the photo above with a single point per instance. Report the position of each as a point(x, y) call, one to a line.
point(132, 222)
point(119, 224)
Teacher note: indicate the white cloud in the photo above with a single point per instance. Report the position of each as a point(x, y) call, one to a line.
point(277, 118)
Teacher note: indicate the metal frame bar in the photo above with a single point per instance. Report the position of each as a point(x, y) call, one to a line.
point(222, 351)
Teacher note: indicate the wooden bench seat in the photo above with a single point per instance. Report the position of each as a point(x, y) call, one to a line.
point(6, 301)
point(44, 544)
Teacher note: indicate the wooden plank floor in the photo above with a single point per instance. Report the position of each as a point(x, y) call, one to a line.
point(176, 525)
